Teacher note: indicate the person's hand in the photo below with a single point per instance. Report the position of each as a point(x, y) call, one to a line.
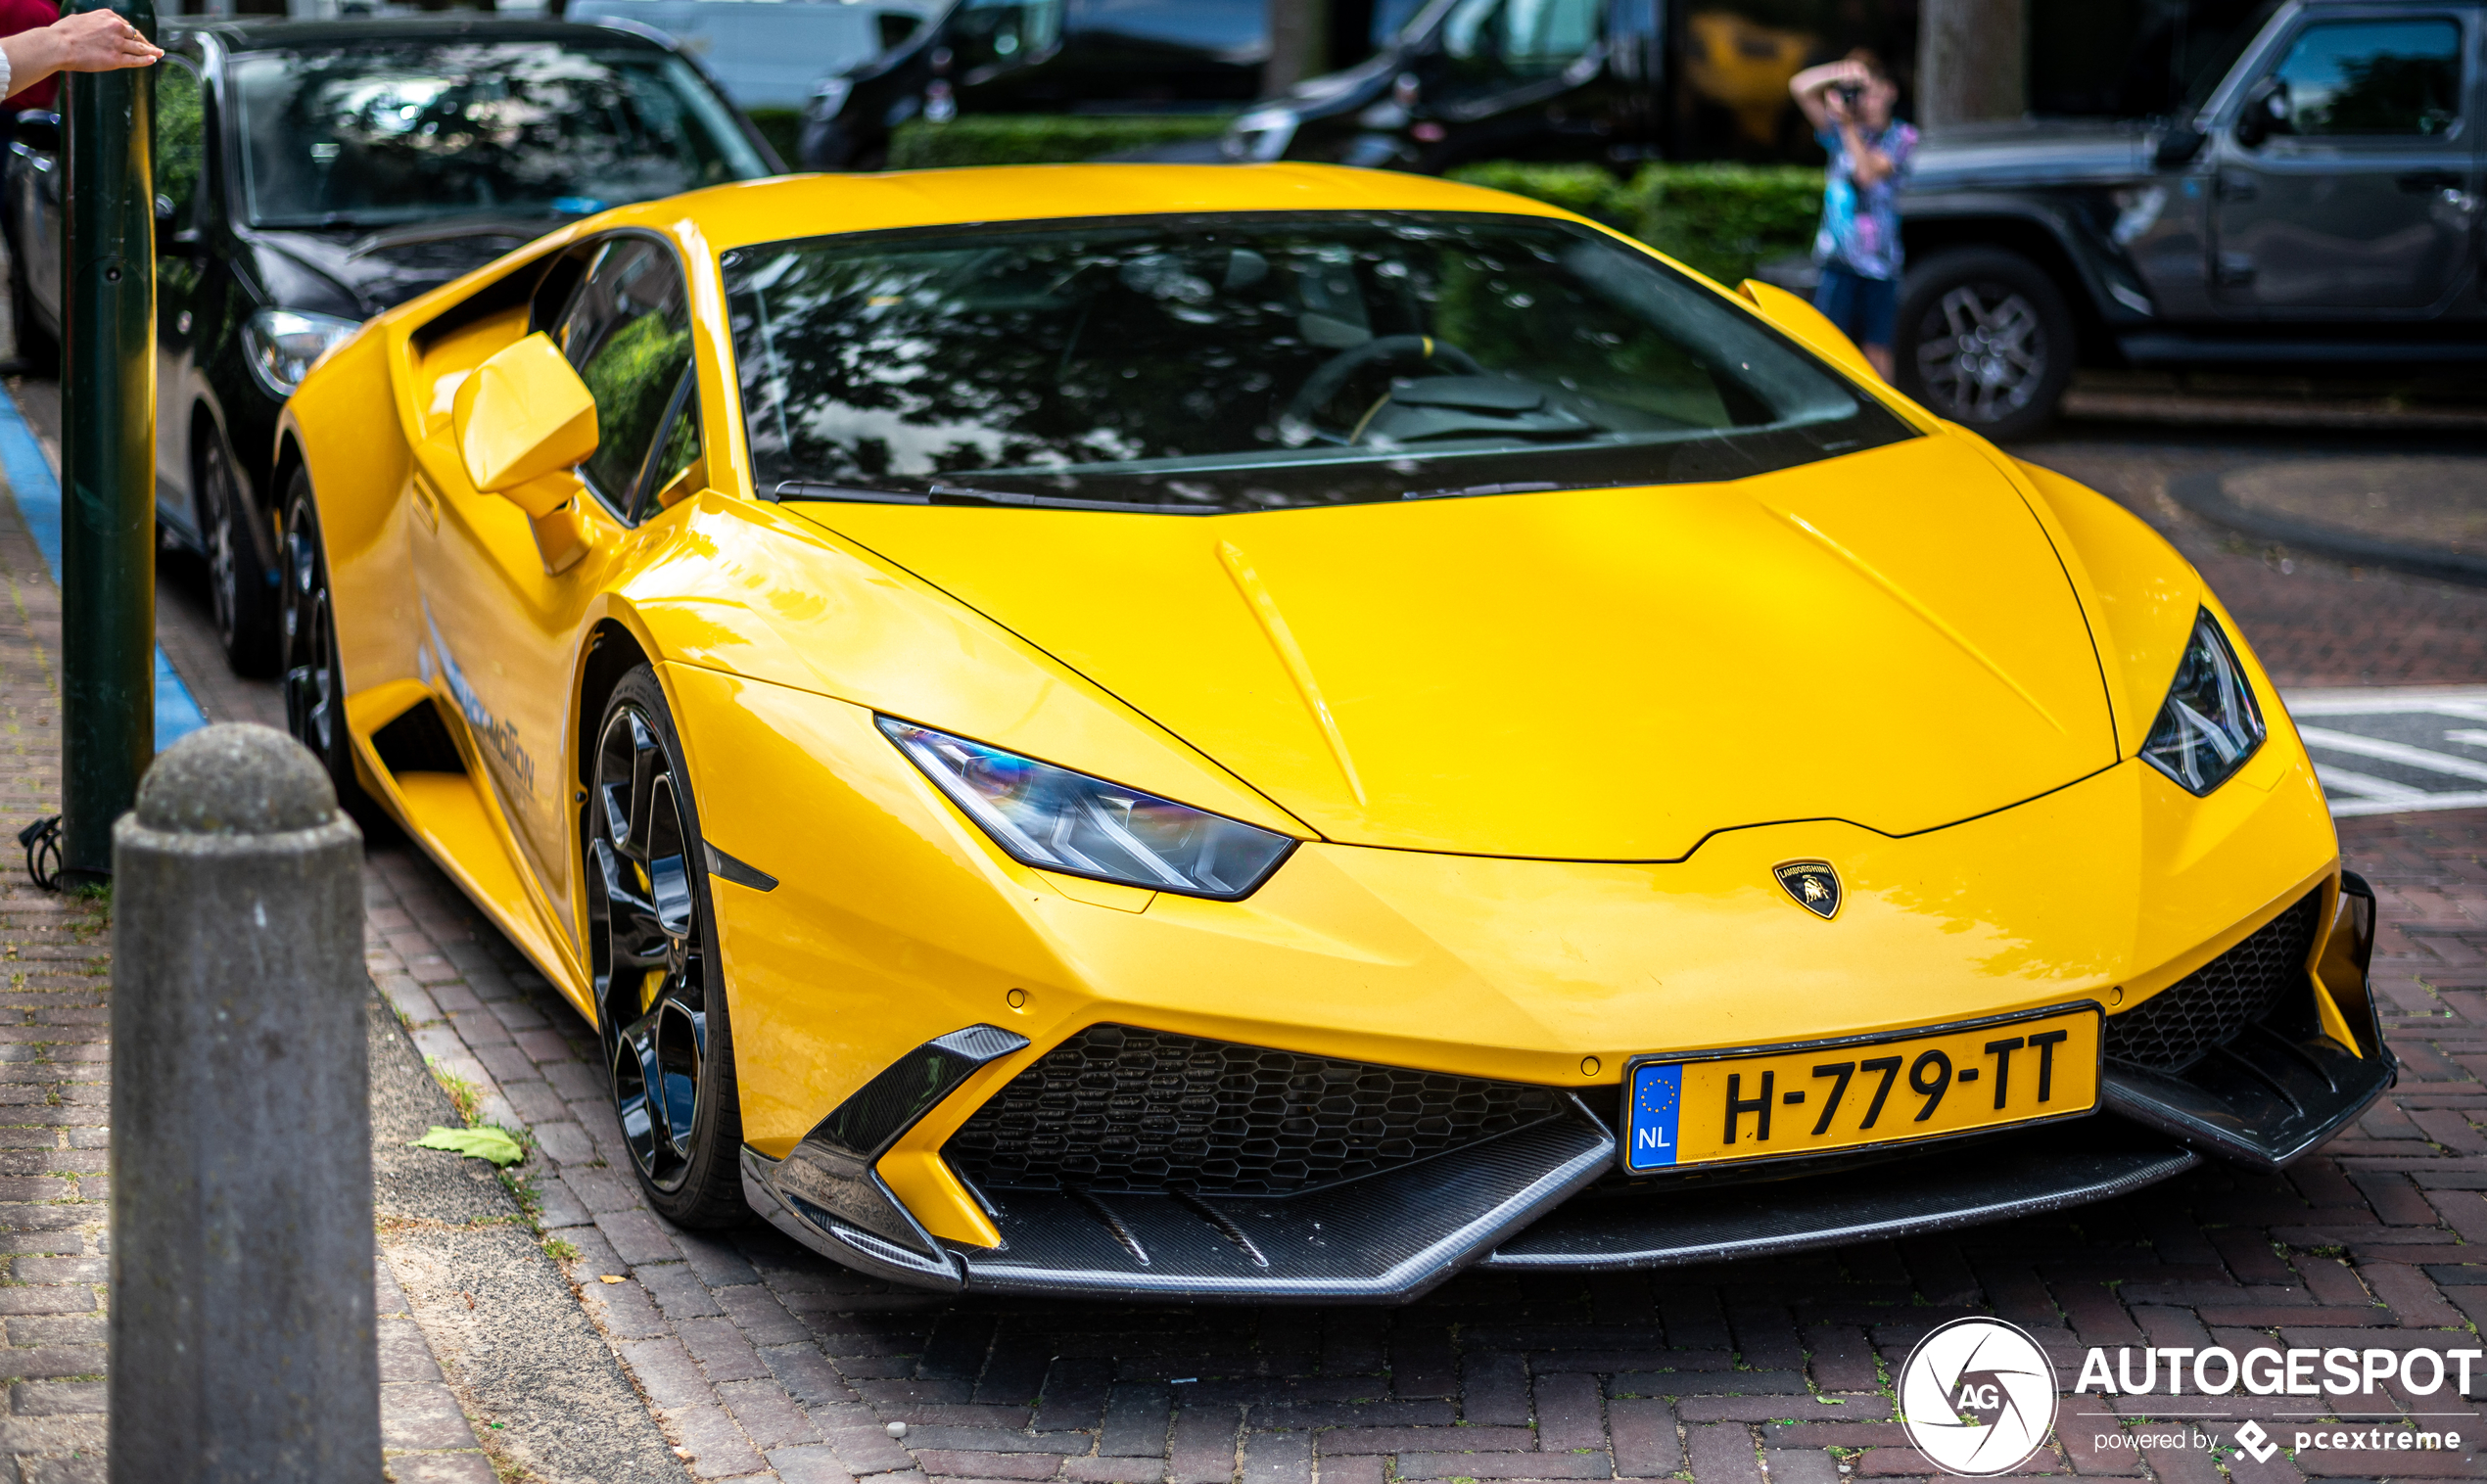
point(100, 41)
point(90, 41)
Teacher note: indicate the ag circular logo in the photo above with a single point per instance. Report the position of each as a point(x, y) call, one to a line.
point(1978, 1397)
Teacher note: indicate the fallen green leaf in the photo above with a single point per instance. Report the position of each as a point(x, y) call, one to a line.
point(493, 1144)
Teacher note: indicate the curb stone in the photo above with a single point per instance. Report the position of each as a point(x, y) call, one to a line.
point(2202, 492)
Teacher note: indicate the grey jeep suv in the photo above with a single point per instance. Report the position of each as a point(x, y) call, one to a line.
point(2316, 204)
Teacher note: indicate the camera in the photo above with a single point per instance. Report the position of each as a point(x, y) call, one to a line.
point(1852, 94)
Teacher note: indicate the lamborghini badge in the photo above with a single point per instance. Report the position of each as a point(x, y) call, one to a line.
point(1813, 884)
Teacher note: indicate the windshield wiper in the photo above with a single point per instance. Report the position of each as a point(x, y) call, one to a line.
point(938, 494)
point(1520, 486)
point(954, 494)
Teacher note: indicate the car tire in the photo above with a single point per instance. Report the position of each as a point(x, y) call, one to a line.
point(658, 983)
point(245, 605)
point(38, 351)
point(312, 677)
point(1984, 340)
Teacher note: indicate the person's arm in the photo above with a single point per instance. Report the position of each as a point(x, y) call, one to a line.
point(1868, 165)
point(1811, 87)
point(90, 41)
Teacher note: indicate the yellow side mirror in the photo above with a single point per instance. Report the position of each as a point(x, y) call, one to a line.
point(522, 418)
point(1809, 325)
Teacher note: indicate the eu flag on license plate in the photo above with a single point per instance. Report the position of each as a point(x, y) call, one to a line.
point(1658, 1089)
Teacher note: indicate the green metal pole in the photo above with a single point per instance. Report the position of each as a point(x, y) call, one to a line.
point(108, 453)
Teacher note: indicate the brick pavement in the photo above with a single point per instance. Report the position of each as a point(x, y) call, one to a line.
point(762, 1361)
point(55, 1107)
point(2313, 621)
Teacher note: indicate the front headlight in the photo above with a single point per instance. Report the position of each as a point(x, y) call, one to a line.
point(283, 345)
point(1259, 136)
point(2210, 725)
point(1061, 820)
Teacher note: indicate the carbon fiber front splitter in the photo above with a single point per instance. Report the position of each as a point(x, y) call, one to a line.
point(1522, 1201)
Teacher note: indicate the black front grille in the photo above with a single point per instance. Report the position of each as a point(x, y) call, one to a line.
point(2207, 1008)
point(1119, 1109)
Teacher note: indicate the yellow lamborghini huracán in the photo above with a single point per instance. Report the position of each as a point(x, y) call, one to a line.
point(1279, 731)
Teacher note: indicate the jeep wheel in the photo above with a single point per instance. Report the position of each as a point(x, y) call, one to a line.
point(1986, 340)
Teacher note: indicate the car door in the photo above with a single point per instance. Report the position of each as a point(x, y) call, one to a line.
point(180, 164)
point(39, 221)
point(2346, 182)
point(501, 629)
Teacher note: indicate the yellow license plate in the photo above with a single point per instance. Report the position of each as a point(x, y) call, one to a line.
point(1762, 1105)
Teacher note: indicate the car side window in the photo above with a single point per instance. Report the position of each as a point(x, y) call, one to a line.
point(675, 469)
point(1494, 44)
point(628, 332)
point(2351, 77)
point(988, 33)
point(181, 145)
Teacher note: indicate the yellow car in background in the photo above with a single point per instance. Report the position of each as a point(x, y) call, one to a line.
point(1277, 731)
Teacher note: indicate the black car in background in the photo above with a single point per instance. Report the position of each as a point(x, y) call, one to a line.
point(2316, 204)
point(1610, 81)
point(310, 174)
point(1491, 80)
point(1041, 57)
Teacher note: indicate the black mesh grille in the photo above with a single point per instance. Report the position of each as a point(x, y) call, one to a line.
point(1120, 1109)
point(2197, 1014)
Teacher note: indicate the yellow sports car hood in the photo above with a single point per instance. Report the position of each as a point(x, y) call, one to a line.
point(1887, 638)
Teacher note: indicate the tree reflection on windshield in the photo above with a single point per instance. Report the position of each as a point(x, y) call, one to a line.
point(1245, 364)
point(393, 131)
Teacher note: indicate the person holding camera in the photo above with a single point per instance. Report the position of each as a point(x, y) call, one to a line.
point(1848, 103)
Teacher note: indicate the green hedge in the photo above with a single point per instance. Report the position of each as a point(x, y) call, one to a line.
point(782, 128)
point(1041, 138)
point(1723, 219)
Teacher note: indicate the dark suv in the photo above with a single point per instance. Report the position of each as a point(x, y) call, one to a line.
point(1037, 57)
point(1482, 79)
point(310, 174)
point(2316, 204)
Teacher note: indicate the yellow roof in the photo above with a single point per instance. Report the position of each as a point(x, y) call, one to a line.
point(804, 205)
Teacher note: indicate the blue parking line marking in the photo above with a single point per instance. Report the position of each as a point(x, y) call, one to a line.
point(1658, 1094)
point(39, 495)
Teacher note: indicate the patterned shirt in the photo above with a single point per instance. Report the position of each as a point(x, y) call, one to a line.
point(1861, 228)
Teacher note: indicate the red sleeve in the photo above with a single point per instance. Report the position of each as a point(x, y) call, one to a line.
point(24, 16)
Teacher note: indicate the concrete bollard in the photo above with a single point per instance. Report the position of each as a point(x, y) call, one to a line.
point(242, 1346)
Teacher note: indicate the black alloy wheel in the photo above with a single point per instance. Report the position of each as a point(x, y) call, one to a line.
point(1984, 341)
point(658, 985)
point(312, 677)
point(246, 607)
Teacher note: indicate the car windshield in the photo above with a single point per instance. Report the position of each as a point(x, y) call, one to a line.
point(2204, 58)
point(1211, 364)
point(388, 131)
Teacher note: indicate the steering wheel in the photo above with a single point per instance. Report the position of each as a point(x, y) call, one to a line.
point(1334, 374)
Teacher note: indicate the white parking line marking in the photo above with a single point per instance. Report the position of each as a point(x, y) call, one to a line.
point(2397, 713)
point(2469, 701)
point(2350, 808)
point(2392, 752)
point(2366, 785)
